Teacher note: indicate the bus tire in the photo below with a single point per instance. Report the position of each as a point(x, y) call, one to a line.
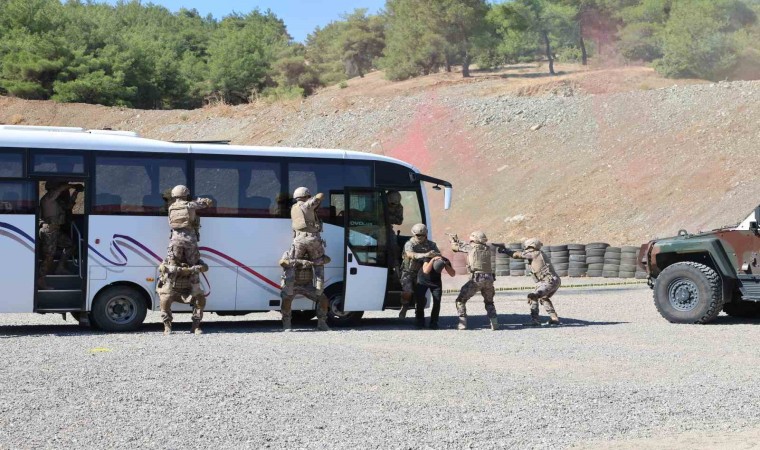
point(336, 317)
point(118, 308)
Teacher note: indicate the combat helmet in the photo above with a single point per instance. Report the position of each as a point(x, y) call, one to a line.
point(180, 191)
point(533, 243)
point(478, 237)
point(301, 192)
point(394, 197)
point(419, 230)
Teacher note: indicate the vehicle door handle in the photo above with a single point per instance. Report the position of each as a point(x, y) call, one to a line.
point(352, 271)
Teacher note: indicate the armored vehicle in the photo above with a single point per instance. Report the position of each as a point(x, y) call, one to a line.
point(696, 276)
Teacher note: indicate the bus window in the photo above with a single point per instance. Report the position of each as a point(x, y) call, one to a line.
point(17, 197)
point(410, 213)
point(11, 165)
point(58, 163)
point(325, 177)
point(240, 188)
point(135, 185)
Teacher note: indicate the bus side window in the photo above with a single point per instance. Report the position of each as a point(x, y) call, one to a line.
point(17, 197)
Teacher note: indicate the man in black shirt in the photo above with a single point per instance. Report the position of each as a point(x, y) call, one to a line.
point(429, 278)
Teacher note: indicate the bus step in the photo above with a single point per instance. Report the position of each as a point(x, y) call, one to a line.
point(64, 282)
point(69, 299)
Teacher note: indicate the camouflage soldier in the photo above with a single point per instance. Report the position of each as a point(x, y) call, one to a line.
point(307, 229)
point(481, 277)
point(184, 222)
point(298, 279)
point(395, 208)
point(53, 217)
point(67, 201)
point(181, 283)
point(416, 250)
point(546, 279)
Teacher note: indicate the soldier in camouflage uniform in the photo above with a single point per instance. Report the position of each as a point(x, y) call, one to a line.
point(298, 279)
point(184, 222)
point(481, 277)
point(307, 229)
point(67, 201)
point(181, 283)
point(52, 218)
point(546, 279)
point(416, 250)
point(396, 217)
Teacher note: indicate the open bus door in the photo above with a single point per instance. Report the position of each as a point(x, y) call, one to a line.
point(366, 262)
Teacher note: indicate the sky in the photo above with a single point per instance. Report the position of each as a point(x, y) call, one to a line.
point(300, 16)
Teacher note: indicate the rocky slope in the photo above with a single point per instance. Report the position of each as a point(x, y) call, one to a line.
point(616, 155)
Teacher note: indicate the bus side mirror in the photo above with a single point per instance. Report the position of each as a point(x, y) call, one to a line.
point(446, 198)
point(753, 227)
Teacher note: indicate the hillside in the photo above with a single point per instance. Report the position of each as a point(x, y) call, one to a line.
point(617, 155)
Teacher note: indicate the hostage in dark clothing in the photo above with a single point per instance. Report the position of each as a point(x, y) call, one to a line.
point(429, 278)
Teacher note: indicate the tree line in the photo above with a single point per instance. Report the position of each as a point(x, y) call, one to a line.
point(145, 56)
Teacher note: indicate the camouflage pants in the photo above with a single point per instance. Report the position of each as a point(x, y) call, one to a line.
point(310, 246)
point(473, 286)
point(545, 290)
point(198, 303)
point(52, 237)
point(309, 292)
point(183, 246)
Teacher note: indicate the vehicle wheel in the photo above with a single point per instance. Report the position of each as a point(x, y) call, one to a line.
point(740, 308)
point(118, 308)
point(336, 317)
point(303, 316)
point(688, 292)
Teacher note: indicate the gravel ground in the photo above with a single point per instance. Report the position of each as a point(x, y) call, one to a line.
point(615, 374)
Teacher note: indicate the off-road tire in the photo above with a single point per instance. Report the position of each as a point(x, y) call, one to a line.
point(707, 284)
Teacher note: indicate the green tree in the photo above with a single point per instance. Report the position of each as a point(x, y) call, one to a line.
point(462, 23)
point(413, 44)
point(362, 42)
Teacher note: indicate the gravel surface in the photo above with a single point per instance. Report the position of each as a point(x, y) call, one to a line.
point(614, 373)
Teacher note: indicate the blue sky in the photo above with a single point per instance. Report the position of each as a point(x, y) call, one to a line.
point(300, 16)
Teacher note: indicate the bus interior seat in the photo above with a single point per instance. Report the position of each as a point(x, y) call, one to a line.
point(10, 201)
point(256, 204)
point(154, 203)
point(108, 202)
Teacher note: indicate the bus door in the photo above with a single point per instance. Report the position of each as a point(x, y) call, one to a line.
point(366, 261)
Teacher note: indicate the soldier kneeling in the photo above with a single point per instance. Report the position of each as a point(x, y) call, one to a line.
point(298, 278)
point(547, 282)
point(180, 283)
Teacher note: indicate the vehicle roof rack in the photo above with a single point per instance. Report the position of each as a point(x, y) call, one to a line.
point(220, 141)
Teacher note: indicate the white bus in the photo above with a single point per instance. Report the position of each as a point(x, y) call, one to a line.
point(120, 230)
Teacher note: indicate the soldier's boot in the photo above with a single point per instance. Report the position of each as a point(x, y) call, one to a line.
point(554, 319)
point(196, 327)
point(534, 322)
point(287, 325)
point(403, 311)
point(60, 268)
point(462, 323)
point(494, 323)
point(322, 325)
point(167, 328)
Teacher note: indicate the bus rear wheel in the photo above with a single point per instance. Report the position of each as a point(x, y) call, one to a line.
point(336, 317)
point(118, 308)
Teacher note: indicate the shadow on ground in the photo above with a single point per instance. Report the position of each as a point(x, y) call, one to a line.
point(507, 321)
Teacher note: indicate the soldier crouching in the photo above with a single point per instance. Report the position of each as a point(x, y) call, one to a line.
point(298, 278)
point(547, 282)
point(182, 284)
point(481, 277)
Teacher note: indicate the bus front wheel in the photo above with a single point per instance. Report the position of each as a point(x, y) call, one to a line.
point(118, 308)
point(336, 317)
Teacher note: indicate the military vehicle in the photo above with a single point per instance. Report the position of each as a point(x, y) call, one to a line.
point(696, 276)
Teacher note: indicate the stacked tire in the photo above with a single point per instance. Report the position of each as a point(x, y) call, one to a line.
point(595, 258)
point(560, 259)
point(500, 260)
point(611, 262)
point(516, 266)
point(628, 262)
point(577, 260)
point(640, 273)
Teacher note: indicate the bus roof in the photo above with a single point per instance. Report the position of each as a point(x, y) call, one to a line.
point(71, 138)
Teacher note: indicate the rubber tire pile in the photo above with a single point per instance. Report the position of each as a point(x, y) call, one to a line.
point(578, 267)
point(560, 258)
point(611, 262)
point(595, 258)
point(500, 260)
point(516, 266)
point(628, 262)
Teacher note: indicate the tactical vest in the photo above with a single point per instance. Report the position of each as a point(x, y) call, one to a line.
point(180, 216)
point(53, 213)
point(414, 265)
point(542, 270)
point(304, 276)
point(305, 219)
point(479, 259)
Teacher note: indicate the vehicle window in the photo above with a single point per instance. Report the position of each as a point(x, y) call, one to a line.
point(247, 188)
point(409, 214)
point(11, 165)
point(326, 177)
point(17, 197)
point(136, 185)
point(58, 163)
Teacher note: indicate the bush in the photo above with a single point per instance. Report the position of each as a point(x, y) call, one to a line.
point(570, 55)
